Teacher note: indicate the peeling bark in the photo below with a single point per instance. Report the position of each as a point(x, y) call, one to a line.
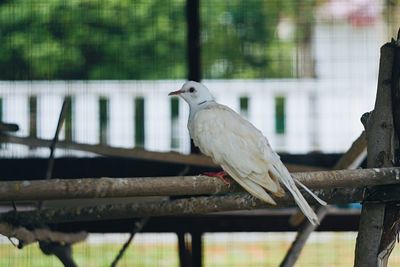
point(178, 185)
point(381, 146)
point(186, 206)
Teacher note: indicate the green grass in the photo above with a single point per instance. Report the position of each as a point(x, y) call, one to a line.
point(329, 251)
point(93, 255)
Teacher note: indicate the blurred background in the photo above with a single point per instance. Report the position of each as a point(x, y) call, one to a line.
point(302, 71)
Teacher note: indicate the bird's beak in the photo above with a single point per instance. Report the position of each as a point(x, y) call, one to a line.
point(176, 92)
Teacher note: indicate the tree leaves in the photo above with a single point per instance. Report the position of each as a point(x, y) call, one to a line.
point(132, 39)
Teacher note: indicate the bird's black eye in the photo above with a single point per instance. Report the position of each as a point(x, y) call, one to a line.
point(191, 90)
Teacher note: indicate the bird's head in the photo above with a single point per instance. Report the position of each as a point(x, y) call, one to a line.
point(194, 93)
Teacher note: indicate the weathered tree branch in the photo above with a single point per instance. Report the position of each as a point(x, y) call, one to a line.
point(30, 236)
point(186, 206)
point(392, 210)
point(380, 135)
point(176, 185)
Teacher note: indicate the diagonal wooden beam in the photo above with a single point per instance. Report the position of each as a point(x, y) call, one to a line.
point(134, 153)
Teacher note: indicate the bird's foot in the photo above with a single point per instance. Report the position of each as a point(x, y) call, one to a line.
point(221, 175)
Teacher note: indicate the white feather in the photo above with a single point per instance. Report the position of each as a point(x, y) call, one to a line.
point(240, 148)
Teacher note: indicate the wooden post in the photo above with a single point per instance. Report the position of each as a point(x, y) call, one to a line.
point(392, 210)
point(193, 47)
point(197, 249)
point(184, 250)
point(374, 245)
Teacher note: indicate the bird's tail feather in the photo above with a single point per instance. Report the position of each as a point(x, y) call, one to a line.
point(320, 201)
point(250, 186)
point(286, 179)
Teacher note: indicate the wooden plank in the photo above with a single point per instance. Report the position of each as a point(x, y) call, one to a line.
point(135, 153)
point(265, 220)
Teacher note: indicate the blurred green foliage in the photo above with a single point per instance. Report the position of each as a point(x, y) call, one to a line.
point(139, 39)
point(92, 39)
point(240, 39)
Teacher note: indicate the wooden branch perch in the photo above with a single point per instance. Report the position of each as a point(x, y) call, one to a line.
point(201, 205)
point(177, 185)
point(30, 236)
point(186, 206)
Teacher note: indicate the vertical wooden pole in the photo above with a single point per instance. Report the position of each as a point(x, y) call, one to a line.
point(184, 250)
point(190, 248)
point(194, 253)
point(193, 47)
point(193, 40)
point(391, 224)
point(376, 217)
point(197, 249)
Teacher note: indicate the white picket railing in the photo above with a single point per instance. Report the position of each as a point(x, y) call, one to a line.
point(319, 115)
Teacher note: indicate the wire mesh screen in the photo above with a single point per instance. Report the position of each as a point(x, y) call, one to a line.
point(308, 69)
point(233, 249)
point(58, 40)
point(100, 250)
point(302, 71)
point(48, 41)
point(241, 41)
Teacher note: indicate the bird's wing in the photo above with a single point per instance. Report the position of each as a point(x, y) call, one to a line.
point(278, 170)
point(245, 154)
point(236, 145)
point(254, 188)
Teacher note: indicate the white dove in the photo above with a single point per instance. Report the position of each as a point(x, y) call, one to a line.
point(239, 148)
